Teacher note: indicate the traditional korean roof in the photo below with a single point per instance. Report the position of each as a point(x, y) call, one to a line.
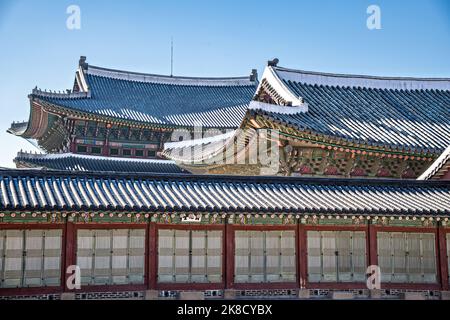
point(155, 99)
point(78, 162)
point(18, 128)
point(26, 189)
point(439, 168)
point(411, 114)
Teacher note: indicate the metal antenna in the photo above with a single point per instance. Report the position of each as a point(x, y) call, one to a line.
point(171, 57)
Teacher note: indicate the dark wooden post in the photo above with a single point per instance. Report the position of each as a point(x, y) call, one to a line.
point(69, 252)
point(442, 253)
point(302, 268)
point(302, 256)
point(152, 255)
point(372, 247)
point(229, 256)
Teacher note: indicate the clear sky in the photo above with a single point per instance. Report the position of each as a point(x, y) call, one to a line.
point(211, 38)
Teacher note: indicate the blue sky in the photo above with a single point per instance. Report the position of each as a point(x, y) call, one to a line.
point(212, 38)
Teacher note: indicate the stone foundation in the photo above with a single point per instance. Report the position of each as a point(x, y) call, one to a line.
point(233, 294)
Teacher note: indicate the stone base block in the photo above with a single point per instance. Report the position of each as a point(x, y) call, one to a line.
point(229, 294)
point(445, 295)
point(375, 294)
point(342, 295)
point(67, 296)
point(413, 296)
point(304, 294)
point(192, 295)
point(151, 295)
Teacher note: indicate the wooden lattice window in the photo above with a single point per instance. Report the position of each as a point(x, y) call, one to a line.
point(265, 256)
point(407, 257)
point(336, 256)
point(189, 256)
point(108, 257)
point(30, 258)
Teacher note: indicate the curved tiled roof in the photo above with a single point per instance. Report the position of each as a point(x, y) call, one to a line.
point(162, 193)
point(156, 99)
point(77, 162)
point(405, 113)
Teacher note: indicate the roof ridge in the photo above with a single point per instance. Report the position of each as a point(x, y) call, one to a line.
point(30, 155)
point(229, 178)
point(364, 81)
point(61, 95)
point(167, 79)
point(349, 75)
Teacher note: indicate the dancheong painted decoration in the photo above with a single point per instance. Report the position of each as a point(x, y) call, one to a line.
point(356, 179)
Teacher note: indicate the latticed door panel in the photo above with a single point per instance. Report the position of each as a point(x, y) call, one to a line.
point(52, 257)
point(329, 259)
point(166, 252)
point(359, 256)
point(344, 248)
point(241, 257)
point(119, 258)
point(182, 242)
point(33, 258)
point(257, 258)
point(314, 256)
point(199, 257)
point(399, 274)
point(385, 256)
point(414, 258)
point(288, 256)
point(189, 256)
point(136, 256)
point(13, 263)
point(30, 258)
point(85, 255)
point(214, 256)
point(111, 256)
point(429, 258)
point(273, 257)
point(265, 256)
point(336, 256)
point(102, 257)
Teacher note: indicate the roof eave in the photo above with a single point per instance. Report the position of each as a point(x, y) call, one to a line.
point(271, 76)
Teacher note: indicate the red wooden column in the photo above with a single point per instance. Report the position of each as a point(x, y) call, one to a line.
point(72, 146)
point(229, 256)
point(372, 247)
point(152, 255)
point(69, 252)
point(302, 266)
point(442, 253)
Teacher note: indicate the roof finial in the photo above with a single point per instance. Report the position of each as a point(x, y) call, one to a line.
point(273, 63)
point(82, 63)
point(254, 75)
